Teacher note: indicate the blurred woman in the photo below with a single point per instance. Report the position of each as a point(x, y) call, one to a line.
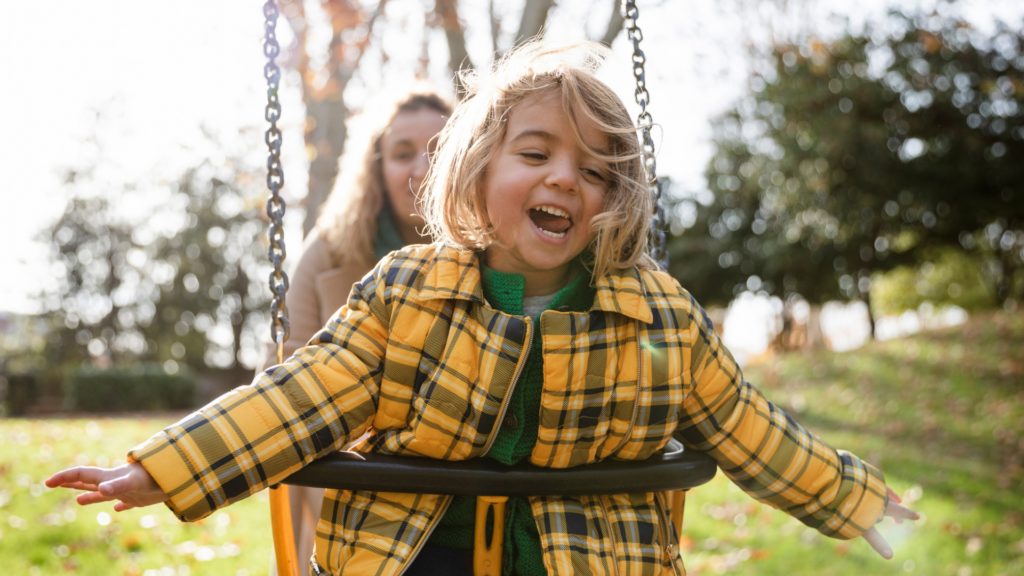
point(370, 212)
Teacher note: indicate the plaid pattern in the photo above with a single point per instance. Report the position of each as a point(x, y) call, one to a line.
point(418, 356)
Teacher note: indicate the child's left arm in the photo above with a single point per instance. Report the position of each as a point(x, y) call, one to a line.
point(771, 456)
point(895, 510)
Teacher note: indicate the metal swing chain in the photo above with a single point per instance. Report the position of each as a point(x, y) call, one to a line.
point(644, 122)
point(279, 328)
point(286, 561)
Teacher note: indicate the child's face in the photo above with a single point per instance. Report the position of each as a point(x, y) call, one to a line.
point(541, 191)
point(404, 147)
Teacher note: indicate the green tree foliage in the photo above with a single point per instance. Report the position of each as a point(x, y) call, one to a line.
point(93, 300)
point(177, 288)
point(947, 276)
point(210, 299)
point(855, 156)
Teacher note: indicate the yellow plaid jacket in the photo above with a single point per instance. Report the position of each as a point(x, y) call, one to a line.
point(418, 357)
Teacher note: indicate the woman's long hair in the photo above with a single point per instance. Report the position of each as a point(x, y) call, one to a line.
point(349, 218)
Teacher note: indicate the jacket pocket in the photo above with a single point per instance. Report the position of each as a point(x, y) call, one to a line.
point(658, 408)
point(583, 419)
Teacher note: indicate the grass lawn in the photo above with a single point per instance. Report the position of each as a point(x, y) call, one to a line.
point(942, 413)
point(44, 531)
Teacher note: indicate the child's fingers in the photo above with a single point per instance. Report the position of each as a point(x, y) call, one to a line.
point(899, 513)
point(77, 476)
point(893, 496)
point(79, 486)
point(117, 486)
point(92, 498)
point(877, 542)
point(67, 477)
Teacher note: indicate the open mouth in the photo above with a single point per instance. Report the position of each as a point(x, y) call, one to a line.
point(551, 221)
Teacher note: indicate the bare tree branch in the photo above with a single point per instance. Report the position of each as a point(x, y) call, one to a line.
point(495, 27)
point(614, 26)
point(535, 15)
point(458, 58)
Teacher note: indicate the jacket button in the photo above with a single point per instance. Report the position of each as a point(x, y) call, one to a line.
point(510, 421)
point(670, 553)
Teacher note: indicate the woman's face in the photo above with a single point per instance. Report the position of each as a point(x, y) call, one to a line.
point(404, 149)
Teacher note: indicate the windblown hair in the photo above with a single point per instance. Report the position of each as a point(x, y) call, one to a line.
point(452, 198)
point(349, 219)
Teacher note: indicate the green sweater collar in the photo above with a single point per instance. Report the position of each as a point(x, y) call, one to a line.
point(504, 290)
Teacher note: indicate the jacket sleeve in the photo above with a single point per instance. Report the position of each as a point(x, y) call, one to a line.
point(766, 452)
point(259, 434)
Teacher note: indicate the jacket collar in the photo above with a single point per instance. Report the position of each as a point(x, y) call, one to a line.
point(453, 273)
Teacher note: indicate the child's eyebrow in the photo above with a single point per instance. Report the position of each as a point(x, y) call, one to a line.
point(533, 132)
point(546, 136)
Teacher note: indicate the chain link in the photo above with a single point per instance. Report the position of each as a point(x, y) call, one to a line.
point(279, 328)
point(644, 122)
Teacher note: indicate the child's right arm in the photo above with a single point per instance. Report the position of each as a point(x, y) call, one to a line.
point(258, 435)
point(129, 484)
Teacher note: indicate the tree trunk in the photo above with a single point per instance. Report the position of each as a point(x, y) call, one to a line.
point(325, 138)
point(1007, 272)
point(865, 297)
point(815, 336)
point(326, 112)
point(535, 15)
point(458, 57)
point(615, 24)
point(240, 287)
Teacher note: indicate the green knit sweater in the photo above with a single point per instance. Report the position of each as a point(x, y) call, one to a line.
point(518, 432)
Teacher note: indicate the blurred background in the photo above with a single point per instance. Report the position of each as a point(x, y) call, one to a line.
point(845, 191)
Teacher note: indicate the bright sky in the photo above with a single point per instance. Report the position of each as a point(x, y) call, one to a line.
point(159, 70)
point(156, 70)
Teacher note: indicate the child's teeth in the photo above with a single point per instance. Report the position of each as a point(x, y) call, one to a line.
point(552, 234)
point(554, 211)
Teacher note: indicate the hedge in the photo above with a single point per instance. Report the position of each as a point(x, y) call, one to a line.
point(138, 387)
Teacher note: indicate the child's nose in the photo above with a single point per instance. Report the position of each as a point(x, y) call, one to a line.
point(562, 175)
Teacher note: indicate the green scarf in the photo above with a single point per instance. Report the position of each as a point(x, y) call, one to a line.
point(387, 239)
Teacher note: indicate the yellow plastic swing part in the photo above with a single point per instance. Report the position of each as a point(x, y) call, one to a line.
point(281, 528)
point(487, 551)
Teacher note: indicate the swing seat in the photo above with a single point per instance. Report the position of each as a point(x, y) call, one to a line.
point(673, 470)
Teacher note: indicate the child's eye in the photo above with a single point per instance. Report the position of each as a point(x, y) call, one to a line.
point(594, 175)
point(531, 155)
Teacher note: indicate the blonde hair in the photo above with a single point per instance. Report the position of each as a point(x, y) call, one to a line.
point(348, 221)
point(453, 197)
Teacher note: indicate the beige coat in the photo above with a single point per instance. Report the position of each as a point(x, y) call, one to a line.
point(318, 287)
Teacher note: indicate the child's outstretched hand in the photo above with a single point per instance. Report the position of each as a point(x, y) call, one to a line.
point(129, 484)
point(899, 513)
